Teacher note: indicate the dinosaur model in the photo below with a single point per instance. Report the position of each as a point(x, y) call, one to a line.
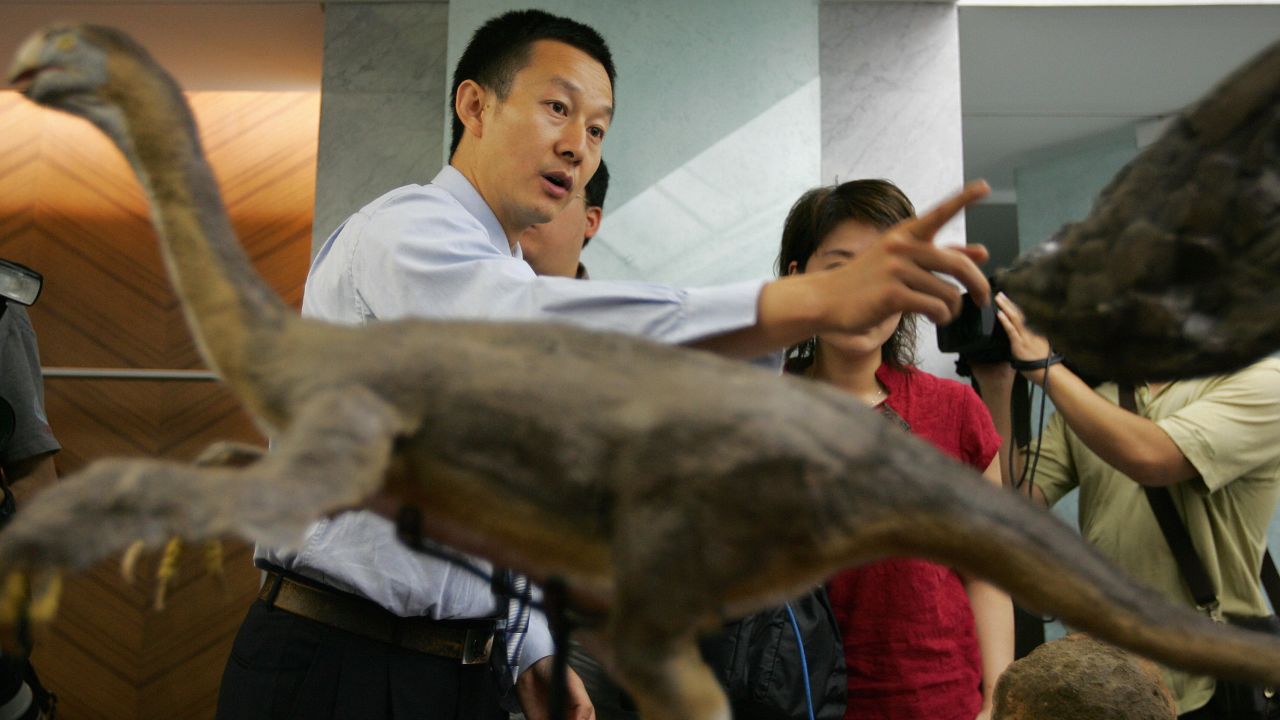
point(1177, 264)
point(669, 488)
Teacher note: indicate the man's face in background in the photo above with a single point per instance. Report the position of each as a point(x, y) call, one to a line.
point(555, 247)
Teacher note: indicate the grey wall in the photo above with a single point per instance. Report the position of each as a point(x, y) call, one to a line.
point(1061, 187)
point(382, 107)
point(891, 109)
point(891, 98)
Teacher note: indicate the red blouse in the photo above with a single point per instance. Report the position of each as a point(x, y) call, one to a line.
point(908, 631)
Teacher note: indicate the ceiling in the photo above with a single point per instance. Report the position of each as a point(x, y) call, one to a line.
point(1037, 80)
point(1034, 79)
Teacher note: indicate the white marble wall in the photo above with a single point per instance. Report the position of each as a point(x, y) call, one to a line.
point(891, 108)
point(382, 111)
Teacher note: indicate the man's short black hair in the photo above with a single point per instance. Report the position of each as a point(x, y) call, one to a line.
point(593, 196)
point(597, 188)
point(500, 49)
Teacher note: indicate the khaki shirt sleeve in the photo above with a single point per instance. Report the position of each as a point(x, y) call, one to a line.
point(1055, 473)
point(1232, 429)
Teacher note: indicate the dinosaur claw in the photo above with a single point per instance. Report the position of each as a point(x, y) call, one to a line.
point(129, 561)
point(168, 566)
point(213, 562)
point(15, 598)
point(44, 603)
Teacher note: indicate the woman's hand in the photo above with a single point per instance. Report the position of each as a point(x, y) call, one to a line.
point(1024, 343)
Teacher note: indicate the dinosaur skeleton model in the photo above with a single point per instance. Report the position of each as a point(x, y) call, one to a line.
point(670, 489)
point(1178, 262)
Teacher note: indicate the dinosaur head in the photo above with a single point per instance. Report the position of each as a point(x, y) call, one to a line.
point(104, 76)
point(1174, 272)
point(89, 71)
point(61, 66)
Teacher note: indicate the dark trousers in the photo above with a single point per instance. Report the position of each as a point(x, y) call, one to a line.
point(284, 666)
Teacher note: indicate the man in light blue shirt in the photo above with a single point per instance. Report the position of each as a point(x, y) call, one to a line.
point(533, 100)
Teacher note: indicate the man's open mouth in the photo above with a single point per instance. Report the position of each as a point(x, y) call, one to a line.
point(560, 180)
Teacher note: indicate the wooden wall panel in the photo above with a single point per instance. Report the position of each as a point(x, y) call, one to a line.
point(70, 208)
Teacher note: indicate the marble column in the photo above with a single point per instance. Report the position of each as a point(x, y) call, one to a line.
point(384, 98)
point(890, 77)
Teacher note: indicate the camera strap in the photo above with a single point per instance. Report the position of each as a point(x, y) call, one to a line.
point(1043, 363)
point(1020, 410)
point(1179, 540)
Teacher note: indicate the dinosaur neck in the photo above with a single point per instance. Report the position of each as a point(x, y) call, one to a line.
point(230, 309)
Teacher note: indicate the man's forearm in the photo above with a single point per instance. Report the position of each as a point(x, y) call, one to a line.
point(897, 274)
point(1132, 444)
point(788, 311)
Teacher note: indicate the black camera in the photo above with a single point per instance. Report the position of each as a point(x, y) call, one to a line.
point(976, 334)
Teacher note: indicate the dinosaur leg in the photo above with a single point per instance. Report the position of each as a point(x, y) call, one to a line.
point(333, 455)
point(665, 675)
point(660, 599)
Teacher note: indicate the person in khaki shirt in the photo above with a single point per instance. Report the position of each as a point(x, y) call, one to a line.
point(1214, 442)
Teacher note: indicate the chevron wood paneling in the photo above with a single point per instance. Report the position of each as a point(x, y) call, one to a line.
point(70, 208)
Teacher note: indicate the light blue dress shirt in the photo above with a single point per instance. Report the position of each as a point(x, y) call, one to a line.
point(438, 251)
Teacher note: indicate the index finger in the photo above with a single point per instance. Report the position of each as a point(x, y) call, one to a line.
point(926, 226)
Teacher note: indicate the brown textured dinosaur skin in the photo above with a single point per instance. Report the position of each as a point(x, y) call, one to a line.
point(1174, 272)
point(670, 488)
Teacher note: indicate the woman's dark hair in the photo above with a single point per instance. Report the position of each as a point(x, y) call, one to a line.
point(878, 203)
point(500, 49)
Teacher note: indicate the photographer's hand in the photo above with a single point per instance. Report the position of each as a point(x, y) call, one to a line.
point(1024, 343)
point(1130, 443)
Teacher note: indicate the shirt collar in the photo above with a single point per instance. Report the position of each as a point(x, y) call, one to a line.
point(893, 379)
point(456, 184)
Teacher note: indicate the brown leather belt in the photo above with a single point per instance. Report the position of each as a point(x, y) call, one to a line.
point(468, 641)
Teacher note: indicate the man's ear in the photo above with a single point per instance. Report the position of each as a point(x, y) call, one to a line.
point(593, 222)
point(470, 104)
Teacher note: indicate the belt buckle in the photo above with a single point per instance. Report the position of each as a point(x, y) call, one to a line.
point(476, 646)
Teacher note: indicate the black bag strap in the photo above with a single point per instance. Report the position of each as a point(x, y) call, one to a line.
point(1271, 579)
point(1179, 540)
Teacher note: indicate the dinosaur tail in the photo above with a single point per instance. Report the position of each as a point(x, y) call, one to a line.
point(1046, 566)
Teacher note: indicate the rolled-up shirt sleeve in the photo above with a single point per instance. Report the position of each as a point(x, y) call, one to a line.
point(537, 641)
point(1233, 428)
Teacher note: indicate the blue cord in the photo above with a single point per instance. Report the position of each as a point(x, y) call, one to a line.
point(804, 662)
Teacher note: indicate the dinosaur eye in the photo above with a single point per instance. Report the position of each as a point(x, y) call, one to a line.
point(65, 43)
